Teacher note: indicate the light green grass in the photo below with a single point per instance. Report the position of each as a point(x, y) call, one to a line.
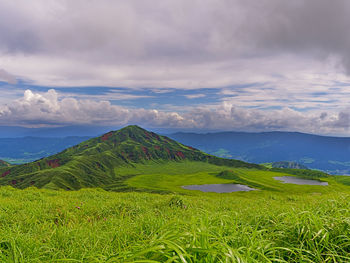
point(98, 226)
point(279, 223)
point(171, 176)
point(267, 165)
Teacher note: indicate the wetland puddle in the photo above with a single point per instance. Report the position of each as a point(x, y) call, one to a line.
point(219, 188)
point(300, 181)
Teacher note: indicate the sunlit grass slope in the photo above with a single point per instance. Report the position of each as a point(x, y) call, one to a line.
point(171, 177)
point(98, 226)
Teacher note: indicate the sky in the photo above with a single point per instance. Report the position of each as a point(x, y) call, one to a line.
point(199, 65)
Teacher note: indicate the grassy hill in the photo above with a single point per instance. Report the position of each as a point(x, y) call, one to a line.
point(4, 164)
point(96, 162)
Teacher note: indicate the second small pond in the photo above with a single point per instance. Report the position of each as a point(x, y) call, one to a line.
point(300, 181)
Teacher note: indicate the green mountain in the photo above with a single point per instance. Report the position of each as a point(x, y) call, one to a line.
point(97, 162)
point(4, 164)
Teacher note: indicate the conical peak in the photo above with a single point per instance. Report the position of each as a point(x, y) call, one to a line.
point(132, 128)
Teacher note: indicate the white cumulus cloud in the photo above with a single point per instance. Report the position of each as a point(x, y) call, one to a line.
point(51, 109)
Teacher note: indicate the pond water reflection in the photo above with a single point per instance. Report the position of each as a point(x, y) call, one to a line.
point(300, 181)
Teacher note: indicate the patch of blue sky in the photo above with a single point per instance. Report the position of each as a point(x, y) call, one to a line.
point(271, 108)
point(24, 86)
point(174, 97)
point(90, 90)
point(258, 100)
point(4, 85)
point(341, 84)
point(247, 85)
point(78, 90)
point(316, 94)
point(324, 101)
point(136, 98)
point(303, 109)
point(262, 107)
point(245, 88)
point(335, 89)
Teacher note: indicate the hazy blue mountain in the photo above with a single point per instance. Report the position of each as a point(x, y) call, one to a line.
point(331, 154)
point(65, 131)
point(26, 149)
point(57, 132)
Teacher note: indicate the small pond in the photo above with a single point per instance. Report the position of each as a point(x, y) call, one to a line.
point(300, 181)
point(219, 188)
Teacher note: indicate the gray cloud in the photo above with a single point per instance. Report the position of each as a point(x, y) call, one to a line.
point(7, 77)
point(316, 27)
point(166, 41)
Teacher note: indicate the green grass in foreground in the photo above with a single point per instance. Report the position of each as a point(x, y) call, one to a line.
point(278, 223)
point(99, 226)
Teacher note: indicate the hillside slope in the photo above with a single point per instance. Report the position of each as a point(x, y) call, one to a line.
point(4, 164)
point(95, 162)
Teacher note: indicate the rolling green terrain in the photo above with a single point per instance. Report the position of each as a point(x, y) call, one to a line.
point(4, 164)
point(95, 162)
point(170, 177)
point(157, 220)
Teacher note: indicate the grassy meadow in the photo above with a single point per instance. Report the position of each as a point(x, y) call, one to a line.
point(170, 176)
point(278, 223)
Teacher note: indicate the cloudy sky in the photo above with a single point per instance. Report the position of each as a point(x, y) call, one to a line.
point(200, 65)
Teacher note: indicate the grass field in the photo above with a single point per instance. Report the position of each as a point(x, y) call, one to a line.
point(171, 176)
point(98, 226)
point(279, 223)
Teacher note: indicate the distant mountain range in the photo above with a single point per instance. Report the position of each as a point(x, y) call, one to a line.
point(330, 154)
point(28, 149)
point(87, 130)
point(93, 163)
